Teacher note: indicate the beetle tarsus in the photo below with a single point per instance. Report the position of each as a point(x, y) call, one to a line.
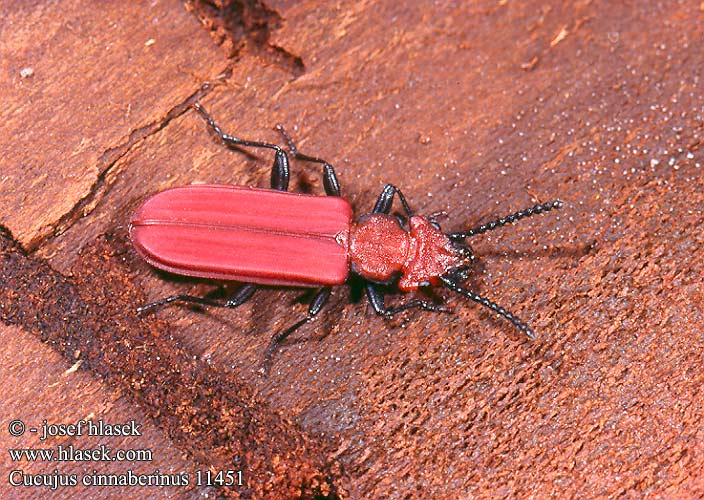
point(177, 298)
point(280, 171)
point(319, 300)
point(277, 339)
point(291, 145)
point(454, 286)
point(237, 298)
point(330, 182)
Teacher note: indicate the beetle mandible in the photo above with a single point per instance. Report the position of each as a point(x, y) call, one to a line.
point(274, 237)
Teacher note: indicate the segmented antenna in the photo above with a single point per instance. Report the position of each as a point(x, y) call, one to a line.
point(455, 287)
point(537, 209)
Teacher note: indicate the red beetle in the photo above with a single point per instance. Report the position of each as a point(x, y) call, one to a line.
point(273, 237)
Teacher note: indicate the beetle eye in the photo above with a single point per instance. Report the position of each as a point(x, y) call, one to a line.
point(434, 224)
point(425, 283)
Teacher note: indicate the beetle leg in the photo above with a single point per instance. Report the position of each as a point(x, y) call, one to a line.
point(280, 169)
point(386, 198)
point(489, 226)
point(330, 182)
point(236, 298)
point(321, 297)
point(241, 295)
point(376, 299)
point(454, 286)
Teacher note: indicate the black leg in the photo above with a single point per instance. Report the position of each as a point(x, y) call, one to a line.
point(537, 209)
point(330, 182)
point(236, 298)
point(376, 299)
point(454, 286)
point(314, 308)
point(279, 171)
point(386, 198)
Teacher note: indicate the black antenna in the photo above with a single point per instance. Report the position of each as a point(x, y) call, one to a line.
point(537, 209)
point(454, 286)
point(452, 280)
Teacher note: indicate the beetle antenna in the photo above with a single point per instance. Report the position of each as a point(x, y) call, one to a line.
point(454, 286)
point(537, 209)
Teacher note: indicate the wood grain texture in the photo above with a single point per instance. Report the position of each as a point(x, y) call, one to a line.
point(478, 109)
point(80, 86)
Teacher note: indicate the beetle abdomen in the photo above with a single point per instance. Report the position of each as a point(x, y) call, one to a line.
point(245, 234)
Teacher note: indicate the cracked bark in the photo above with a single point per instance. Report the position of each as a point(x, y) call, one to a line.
point(110, 158)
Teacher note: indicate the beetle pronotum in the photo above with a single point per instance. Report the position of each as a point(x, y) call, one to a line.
point(274, 237)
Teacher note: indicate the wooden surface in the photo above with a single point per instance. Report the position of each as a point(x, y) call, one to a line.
point(478, 109)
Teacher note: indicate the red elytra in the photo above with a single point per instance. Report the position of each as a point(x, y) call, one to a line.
point(245, 234)
point(273, 237)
